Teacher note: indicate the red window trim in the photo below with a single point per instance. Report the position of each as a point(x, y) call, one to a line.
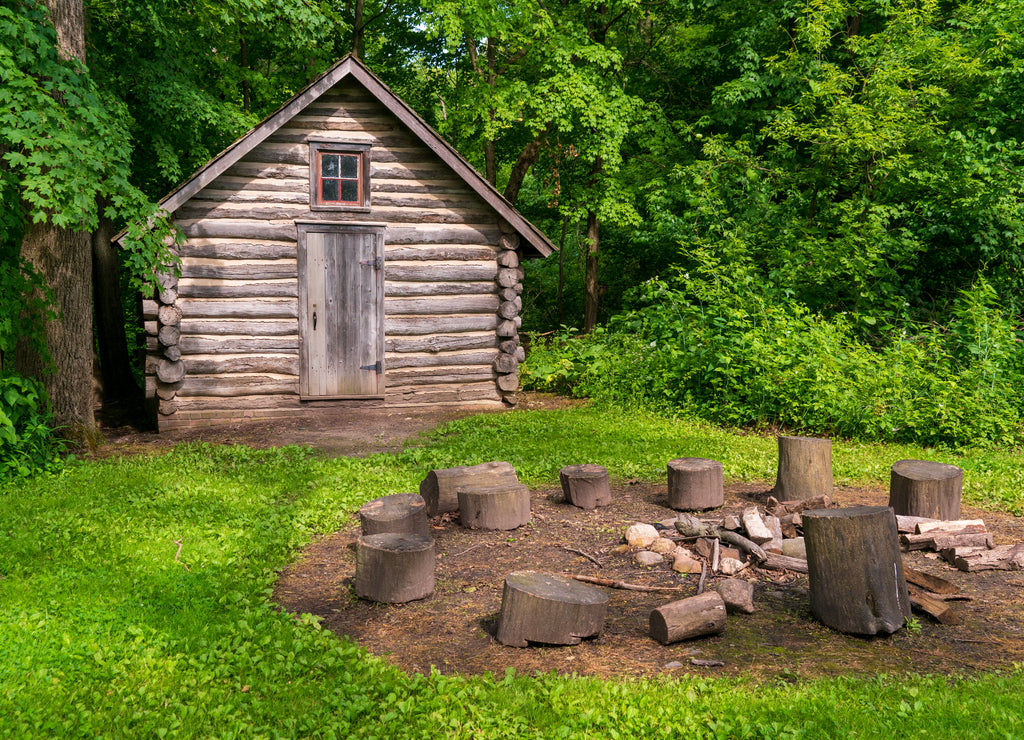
point(362, 152)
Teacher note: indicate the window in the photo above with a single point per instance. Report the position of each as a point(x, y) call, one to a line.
point(339, 176)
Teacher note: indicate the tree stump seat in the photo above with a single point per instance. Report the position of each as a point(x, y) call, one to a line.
point(805, 468)
point(926, 489)
point(586, 486)
point(502, 506)
point(399, 513)
point(855, 569)
point(394, 567)
point(549, 609)
point(440, 488)
point(695, 484)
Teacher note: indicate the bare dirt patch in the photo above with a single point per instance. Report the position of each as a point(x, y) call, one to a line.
point(453, 629)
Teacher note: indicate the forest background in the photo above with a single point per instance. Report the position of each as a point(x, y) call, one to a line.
point(800, 214)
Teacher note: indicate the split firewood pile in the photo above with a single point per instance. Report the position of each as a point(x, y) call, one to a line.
point(964, 543)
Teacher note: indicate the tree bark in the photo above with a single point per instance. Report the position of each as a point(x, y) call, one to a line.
point(695, 484)
point(357, 30)
point(549, 609)
point(115, 362)
point(63, 258)
point(527, 158)
point(923, 488)
point(805, 467)
point(590, 278)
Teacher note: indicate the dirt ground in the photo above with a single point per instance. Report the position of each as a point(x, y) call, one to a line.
point(453, 629)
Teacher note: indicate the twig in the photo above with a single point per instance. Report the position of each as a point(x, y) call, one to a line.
point(716, 552)
point(179, 542)
point(591, 558)
point(624, 586)
point(703, 577)
point(480, 544)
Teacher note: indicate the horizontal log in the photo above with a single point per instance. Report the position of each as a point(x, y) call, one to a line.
point(292, 135)
point(244, 327)
point(228, 345)
point(439, 324)
point(507, 328)
point(263, 363)
point(167, 296)
point(432, 253)
point(472, 374)
point(240, 229)
point(245, 169)
point(440, 343)
point(409, 290)
point(168, 371)
point(483, 358)
point(240, 288)
point(278, 212)
point(956, 526)
point(436, 234)
point(268, 308)
point(168, 335)
point(173, 353)
point(942, 541)
point(441, 305)
point(150, 327)
point(423, 395)
point(381, 185)
point(508, 310)
point(508, 258)
point(231, 249)
point(440, 271)
point(233, 184)
point(239, 269)
point(150, 309)
point(238, 385)
point(908, 524)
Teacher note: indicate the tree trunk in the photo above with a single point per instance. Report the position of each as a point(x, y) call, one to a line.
point(805, 468)
point(527, 158)
point(63, 258)
point(357, 30)
point(115, 363)
point(590, 278)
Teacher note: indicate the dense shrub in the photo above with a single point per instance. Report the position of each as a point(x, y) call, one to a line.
point(756, 362)
point(27, 442)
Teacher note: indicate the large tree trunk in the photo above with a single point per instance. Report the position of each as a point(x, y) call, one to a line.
point(527, 158)
point(590, 281)
point(64, 259)
point(115, 363)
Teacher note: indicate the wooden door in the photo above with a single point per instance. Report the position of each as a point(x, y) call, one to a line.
point(341, 311)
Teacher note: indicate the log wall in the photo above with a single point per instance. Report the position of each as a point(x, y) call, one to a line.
point(451, 288)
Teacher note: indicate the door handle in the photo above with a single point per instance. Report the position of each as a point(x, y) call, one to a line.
point(314, 321)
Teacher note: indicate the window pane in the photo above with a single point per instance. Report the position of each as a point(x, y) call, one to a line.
point(329, 165)
point(330, 190)
point(349, 191)
point(349, 166)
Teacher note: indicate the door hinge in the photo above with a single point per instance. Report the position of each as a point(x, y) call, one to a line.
point(376, 262)
point(376, 367)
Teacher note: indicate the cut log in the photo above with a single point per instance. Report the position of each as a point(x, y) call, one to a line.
point(394, 568)
point(169, 315)
point(856, 576)
point(440, 488)
point(757, 530)
point(690, 526)
point(695, 616)
point(784, 562)
point(399, 513)
point(737, 594)
point(939, 610)
point(169, 335)
point(928, 581)
point(926, 489)
point(938, 541)
point(695, 484)
point(959, 526)
point(782, 508)
point(170, 372)
point(585, 486)
point(805, 468)
point(909, 524)
point(549, 609)
point(505, 505)
point(973, 559)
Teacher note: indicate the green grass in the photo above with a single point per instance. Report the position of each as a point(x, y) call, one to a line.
point(106, 629)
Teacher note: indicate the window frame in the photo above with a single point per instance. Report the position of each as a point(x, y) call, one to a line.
point(320, 147)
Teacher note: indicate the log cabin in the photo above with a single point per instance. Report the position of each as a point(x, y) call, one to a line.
point(340, 253)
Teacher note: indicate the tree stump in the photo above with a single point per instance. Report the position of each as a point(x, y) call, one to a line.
point(855, 570)
point(394, 568)
point(585, 486)
point(399, 513)
point(926, 489)
point(695, 484)
point(549, 609)
point(502, 506)
point(439, 488)
point(692, 617)
point(805, 468)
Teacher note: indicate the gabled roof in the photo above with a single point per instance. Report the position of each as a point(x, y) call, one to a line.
point(349, 66)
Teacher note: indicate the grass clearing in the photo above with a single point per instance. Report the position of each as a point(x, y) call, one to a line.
point(107, 629)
